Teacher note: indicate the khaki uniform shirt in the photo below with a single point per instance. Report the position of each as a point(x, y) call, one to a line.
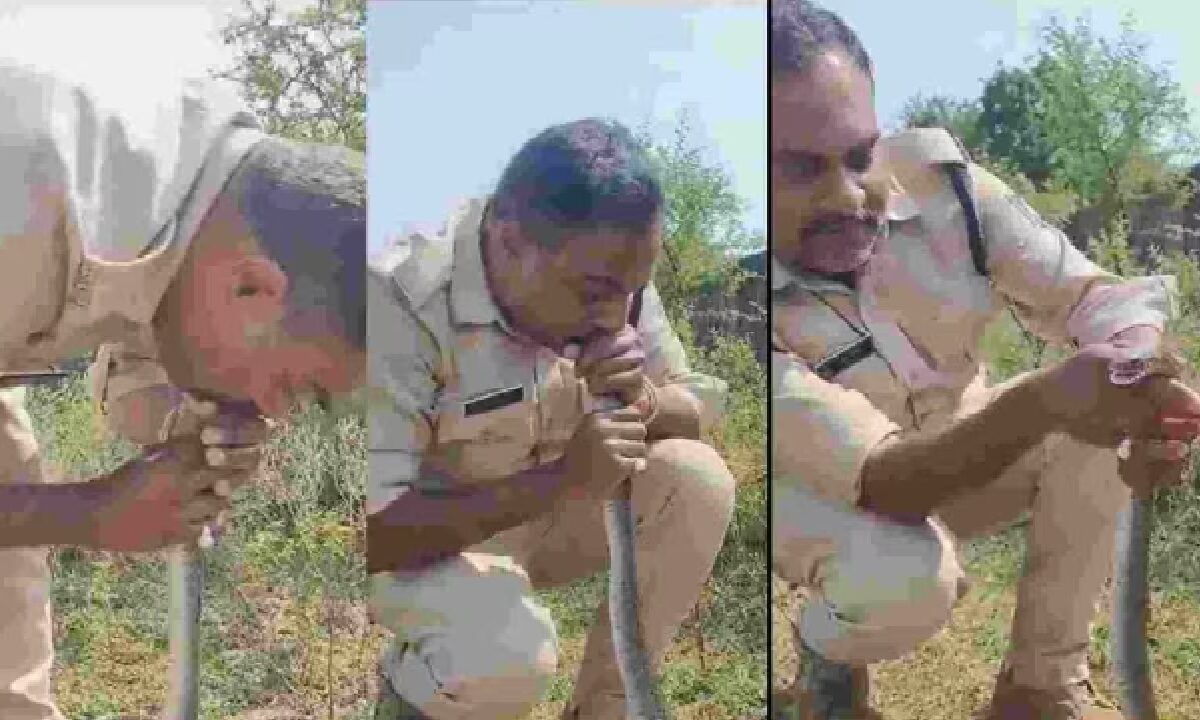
point(97, 207)
point(926, 306)
point(448, 371)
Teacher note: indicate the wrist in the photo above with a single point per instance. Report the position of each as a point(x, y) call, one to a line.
point(81, 506)
point(1037, 396)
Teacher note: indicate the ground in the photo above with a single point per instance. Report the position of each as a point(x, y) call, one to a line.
point(952, 675)
point(285, 628)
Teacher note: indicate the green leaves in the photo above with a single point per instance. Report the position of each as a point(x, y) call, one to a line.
point(1116, 122)
point(1088, 121)
point(303, 73)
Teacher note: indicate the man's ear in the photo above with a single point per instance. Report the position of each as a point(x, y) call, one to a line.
point(257, 290)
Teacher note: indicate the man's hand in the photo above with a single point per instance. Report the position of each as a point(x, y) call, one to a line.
point(1147, 465)
point(165, 497)
point(613, 365)
point(605, 450)
point(231, 434)
point(1080, 398)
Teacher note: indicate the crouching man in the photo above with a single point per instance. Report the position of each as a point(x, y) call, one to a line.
point(890, 257)
point(489, 464)
point(223, 264)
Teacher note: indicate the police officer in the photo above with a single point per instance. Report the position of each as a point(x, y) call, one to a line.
point(488, 462)
point(223, 266)
point(890, 257)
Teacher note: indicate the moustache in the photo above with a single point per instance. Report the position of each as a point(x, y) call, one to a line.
point(840, 225)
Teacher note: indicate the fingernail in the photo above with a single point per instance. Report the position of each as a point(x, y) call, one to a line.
point(202, 407)
point(221, 488)
point(215, 457)
point(210, 435)
point(206, 540)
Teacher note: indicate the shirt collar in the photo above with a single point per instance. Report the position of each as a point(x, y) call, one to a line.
point(901, 205)
point(470, 295)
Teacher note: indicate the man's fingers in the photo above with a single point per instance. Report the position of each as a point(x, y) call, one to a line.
point(1177, 428)
point(627, 430)
point(204, 508)
point(624, 384)
point(1155, 463)
point(623, 415)
point(237, 458)
point(613, 366)
point(1159, 451)
point(229, 430)
point(605, 347)
point(1172, 398)
point(626, 448)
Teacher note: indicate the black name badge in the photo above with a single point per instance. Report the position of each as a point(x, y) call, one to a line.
point(493, 400)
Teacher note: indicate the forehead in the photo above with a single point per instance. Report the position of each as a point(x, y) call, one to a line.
point(827, 109)
point(595, 250)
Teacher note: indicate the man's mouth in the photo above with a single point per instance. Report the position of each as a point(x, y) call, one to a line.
point(842, 227)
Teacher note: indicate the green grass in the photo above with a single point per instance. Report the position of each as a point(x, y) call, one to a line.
point(284, 623)
point(285, 628)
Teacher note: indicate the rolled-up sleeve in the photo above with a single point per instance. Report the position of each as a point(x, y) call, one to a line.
point(131, 392)
point(821, 433)
point(402, 392)
point(667, 362)
point(1062, 294)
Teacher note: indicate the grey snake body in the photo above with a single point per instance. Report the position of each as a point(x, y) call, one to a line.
point(185, 568)
point(641, 697)
point(1129, 644)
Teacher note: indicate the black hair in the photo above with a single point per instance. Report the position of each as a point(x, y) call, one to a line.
point(802, 30)
point(306, 206)
point(582, 175)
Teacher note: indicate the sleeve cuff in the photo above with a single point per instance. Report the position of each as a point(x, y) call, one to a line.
point(390, 474)
point(822, 435)
point(1108, 309)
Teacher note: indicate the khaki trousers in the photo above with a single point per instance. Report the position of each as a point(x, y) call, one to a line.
point(27, 650)
point(878, 589)
point(472, 642)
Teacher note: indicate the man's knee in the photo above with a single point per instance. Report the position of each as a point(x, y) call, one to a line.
point(470, 640)
point(881, 597)
point(697, 470)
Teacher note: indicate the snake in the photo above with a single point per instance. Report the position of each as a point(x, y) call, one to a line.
point(185, 568)
point(642, 700)
point(1128, 641)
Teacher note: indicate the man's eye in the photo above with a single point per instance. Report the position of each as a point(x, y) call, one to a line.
point(801, 168)
point(860, 160)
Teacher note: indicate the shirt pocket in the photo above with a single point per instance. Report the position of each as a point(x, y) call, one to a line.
point(488, 435)
point(561, 404)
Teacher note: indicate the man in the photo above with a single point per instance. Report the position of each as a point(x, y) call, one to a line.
point(488, 464)
point(887, 453)
point(214, 260)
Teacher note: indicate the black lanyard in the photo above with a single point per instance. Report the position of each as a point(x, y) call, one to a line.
point(847, 356)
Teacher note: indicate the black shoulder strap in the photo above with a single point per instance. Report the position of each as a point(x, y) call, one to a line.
point(635, 308)
point(959, 179)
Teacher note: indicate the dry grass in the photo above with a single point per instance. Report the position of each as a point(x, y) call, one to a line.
point(951, 676)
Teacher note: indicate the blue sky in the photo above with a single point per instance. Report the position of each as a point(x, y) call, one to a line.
point(105, 44)
point(960, 42)
point(456, 87)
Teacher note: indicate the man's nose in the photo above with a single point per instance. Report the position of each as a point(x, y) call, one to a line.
point(842, 193)
point(609, 318)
